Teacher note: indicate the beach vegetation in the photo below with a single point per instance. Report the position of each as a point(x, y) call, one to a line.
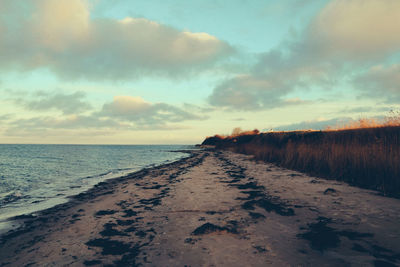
point(366, 154)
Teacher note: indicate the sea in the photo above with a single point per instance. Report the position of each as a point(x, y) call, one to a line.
point(37, 177)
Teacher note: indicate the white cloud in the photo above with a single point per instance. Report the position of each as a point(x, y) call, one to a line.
point(61, 36)
point(126, 113)
point(358, 28)
point(58, 24)
point(247, 92)
point(317, 124)
point(380, 82)
point(270, 80)
point(140, 112)
point(73, 103)
point(123, 105)
point(342, 40)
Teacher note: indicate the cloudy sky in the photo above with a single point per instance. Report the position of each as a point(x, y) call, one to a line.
point(175, 71)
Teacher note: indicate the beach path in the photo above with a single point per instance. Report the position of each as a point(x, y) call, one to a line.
point(215, 208)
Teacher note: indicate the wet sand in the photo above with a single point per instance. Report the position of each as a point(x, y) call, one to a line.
point(212, 209)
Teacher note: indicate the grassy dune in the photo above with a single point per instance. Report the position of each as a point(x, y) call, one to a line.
point(366, 157)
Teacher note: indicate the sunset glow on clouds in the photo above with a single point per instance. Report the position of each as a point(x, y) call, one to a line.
point(96, 71)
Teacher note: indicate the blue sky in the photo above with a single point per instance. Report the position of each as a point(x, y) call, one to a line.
point(151, 72)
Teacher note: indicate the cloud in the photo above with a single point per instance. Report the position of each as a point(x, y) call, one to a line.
point(335, 123)
point(67, 122)
point(137, 110)
point(123, 113)
point(365, 109)
point(45, 125)
point(63, 37)
point(246, 92)
point(66, 103)
point(5, 117)
point(271, 79)
point(59, 24)
point(357, 28)
point(380, 82)
point(319, 124)
point(344, 38)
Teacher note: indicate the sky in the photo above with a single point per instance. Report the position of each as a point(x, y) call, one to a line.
point(174, 72)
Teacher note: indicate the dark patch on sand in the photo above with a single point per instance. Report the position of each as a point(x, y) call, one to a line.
point(125, 222)
point(209, 228)
point(24, 217)
point(32, 242)
point(252, 194)
point(92, 262)
point(141, 234)
point(260, 249)
point(14, 233)
point(359, 248)
point(249, 185)
point(384, 253)
point(256, 215)
point(212, 212)
point(123, 204)
point(269, 205)
point(191, 241)
point(129, 213)
point(105, 212)
point(130, 229)
point(110, 231)
point(331, 191)
point(230, 181)
point(256, 193)
point(153, 187)
point(380, 263)
point(151, 202)
point(113, 247)
point(129, 259)
point(110, 247)
point(323, 237)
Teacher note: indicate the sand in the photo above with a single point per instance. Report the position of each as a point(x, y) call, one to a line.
point(212, 209)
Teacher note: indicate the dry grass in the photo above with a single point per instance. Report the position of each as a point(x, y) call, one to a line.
point(367, 157)
point(393, 119)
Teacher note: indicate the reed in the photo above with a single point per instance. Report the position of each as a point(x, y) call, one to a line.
point(366, 157)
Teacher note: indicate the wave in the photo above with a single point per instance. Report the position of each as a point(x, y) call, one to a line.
point(10, 197)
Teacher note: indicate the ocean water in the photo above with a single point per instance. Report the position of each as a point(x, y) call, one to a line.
point(36, 177)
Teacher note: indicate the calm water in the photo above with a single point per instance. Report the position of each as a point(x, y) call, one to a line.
point(35, 177)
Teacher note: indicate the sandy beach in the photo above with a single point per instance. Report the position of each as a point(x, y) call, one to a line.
point(214, 208)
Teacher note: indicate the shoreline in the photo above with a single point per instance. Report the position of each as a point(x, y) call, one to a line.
point(70, 200)
point(212, 208)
